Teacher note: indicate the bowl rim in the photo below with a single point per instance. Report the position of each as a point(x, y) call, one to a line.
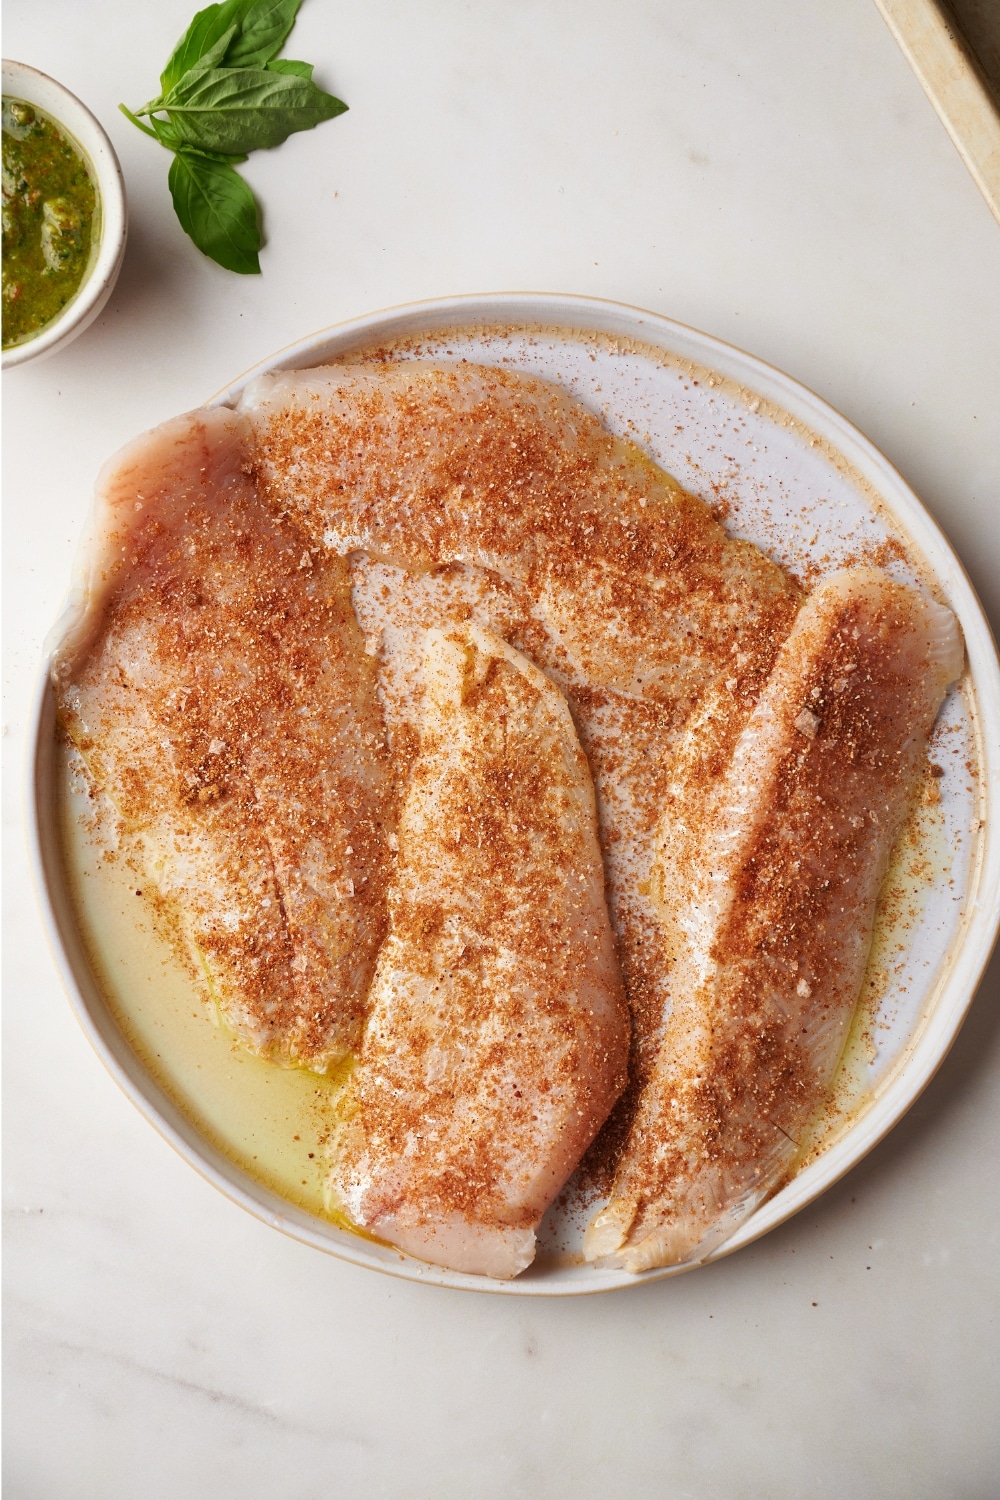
point(91, 139)
point(961, 971)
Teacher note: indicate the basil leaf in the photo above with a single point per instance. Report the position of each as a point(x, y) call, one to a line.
point(234, 110)
point(167, 136)
point(288, 65)
point(263, 33)
point(201, 36)
point(217, 209)
point(214, 56)
point(163, 131)
point(209, 59)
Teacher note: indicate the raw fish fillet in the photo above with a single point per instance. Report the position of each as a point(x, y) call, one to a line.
point(213, 676)
point(768, 882)
point(632, 582)
point(498, 1036)
point(628, 741)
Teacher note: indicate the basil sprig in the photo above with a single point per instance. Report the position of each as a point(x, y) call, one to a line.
point(223, 93)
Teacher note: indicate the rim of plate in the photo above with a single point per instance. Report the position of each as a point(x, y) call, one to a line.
point(89, 135)
point(947, 1004)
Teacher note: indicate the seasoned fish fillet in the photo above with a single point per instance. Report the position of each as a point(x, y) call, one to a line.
point(498, 1036)
point(214, 678)
point(628, 742)
point(634, 584)
point(768, 882)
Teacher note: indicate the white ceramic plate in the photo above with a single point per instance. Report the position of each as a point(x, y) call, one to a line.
point(799, 480)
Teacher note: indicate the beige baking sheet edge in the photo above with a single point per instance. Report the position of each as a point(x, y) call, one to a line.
point(954, 86)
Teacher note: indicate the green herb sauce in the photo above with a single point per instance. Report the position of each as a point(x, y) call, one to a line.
point(50, 220)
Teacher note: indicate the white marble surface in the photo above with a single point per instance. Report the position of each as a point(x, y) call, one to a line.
point(773, 174)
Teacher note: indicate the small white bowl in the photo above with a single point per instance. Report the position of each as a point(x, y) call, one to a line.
point(22, 82)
